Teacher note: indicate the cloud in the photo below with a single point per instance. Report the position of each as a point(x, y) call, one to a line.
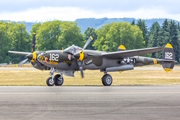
point(43, 10)
point(72, 13)
point(172, 7)
point(47, 13)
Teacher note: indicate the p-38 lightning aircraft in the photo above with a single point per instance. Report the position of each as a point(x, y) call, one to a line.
point(75, 58)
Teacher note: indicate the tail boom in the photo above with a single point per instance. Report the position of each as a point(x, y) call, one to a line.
point(167, 61)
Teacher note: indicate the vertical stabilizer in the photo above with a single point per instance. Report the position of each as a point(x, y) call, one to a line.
point(169, 57)
point(121, 48)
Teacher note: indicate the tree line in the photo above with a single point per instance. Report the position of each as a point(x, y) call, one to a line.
point(168, 32)
point(57, 35)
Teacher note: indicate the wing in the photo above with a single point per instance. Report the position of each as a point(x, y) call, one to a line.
point(130, 53)
point(20, 53)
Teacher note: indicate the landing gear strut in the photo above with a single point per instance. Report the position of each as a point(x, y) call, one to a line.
point(57, 79)
point(107, 80)
point(50, 80)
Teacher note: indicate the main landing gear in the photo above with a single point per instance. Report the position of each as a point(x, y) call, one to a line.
point(107, 80)
point(57, 80)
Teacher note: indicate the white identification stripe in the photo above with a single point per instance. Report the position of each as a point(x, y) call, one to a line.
point(88, 62)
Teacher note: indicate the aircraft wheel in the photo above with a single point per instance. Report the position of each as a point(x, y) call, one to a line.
point(58, 80)
point(50, 81)
point(107, 80)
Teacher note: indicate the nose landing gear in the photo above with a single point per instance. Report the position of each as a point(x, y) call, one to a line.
point(50, 81)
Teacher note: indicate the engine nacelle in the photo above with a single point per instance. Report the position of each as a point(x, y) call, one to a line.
point(40, 66)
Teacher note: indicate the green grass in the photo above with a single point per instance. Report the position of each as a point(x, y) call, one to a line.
point(135, 77)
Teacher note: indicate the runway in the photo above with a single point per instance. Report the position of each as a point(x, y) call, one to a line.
point(90, 102)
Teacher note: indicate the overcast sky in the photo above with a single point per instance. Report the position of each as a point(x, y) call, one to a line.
point(43, 10)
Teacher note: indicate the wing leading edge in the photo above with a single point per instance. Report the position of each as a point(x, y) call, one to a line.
point(130, 53)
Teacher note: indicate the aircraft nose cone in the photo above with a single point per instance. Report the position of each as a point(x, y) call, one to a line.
point(30, 56)
point(77, 55)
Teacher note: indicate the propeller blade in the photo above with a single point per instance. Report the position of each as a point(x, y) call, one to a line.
point(81, 68)
point(22, 62)
point(33, 42)
point(20, 53)
point(82, 74)
point(87, 42)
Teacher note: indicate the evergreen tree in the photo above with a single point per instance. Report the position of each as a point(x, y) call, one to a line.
point(163, 37)
point(178, 26)
point(133, 22)
point(151, 34)
point(153, 37)
point(160, 42)
point(141, 24)
point(174, 38)
point(165, 31)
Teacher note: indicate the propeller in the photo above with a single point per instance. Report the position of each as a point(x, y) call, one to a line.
point(87, 42)
point(33, 43)
point(30, 56)
point(81, 68)
point(22, 62)
point(80, 56)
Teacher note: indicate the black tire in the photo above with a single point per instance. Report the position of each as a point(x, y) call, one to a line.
point(107, 80)
point(49, 81)
point(58, 80)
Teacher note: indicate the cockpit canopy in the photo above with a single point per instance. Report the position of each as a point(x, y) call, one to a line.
point(73, 49)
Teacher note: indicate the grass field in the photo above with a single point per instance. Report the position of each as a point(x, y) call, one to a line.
point(135, 77)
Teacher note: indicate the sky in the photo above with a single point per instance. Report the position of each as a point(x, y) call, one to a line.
point(70, 10)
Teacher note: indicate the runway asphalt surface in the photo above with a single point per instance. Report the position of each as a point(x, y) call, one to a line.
point(90, 103)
